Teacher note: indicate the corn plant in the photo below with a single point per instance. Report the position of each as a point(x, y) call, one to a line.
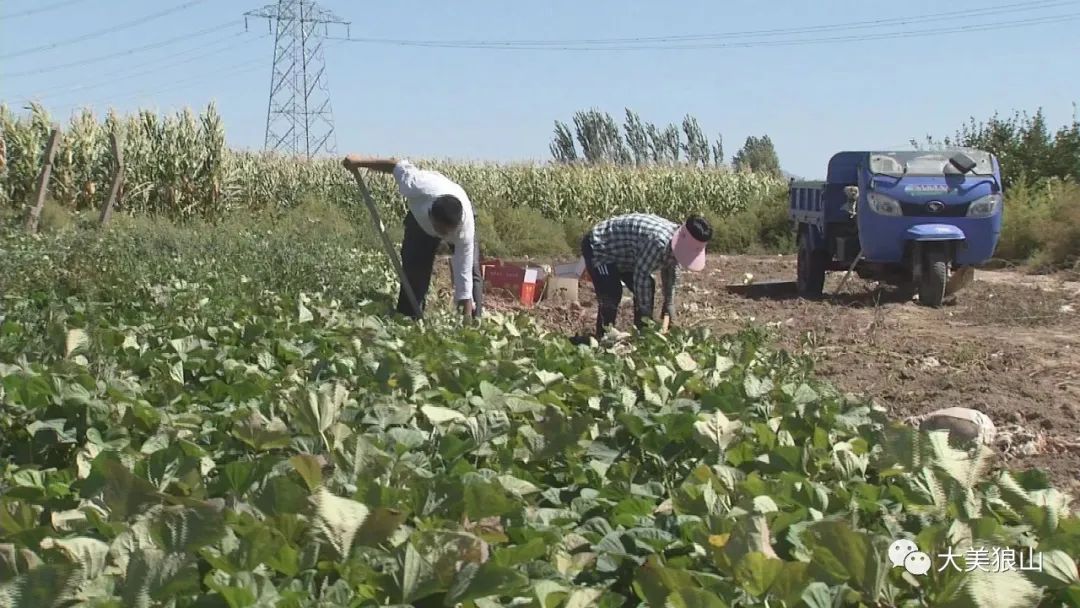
point(179, 166)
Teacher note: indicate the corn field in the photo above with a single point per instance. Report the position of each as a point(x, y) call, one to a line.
point(179, 166)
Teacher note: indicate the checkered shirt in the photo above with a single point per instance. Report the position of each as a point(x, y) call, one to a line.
point(639, 243)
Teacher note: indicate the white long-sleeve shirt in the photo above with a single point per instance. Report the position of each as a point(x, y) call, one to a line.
point(421, 187)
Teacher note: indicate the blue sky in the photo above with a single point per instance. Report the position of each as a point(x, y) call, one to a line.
point(812, 99)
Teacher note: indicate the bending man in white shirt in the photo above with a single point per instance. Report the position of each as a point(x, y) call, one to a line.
point(439, 210)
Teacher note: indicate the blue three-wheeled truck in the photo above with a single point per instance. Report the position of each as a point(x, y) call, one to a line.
point(917, 220)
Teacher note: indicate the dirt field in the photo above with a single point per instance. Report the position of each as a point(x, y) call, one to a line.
point(1009, 346)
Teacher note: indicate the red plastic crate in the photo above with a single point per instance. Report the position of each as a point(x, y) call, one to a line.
point(521, 280)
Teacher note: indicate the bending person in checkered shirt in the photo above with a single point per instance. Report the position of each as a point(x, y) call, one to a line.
point(628, 249)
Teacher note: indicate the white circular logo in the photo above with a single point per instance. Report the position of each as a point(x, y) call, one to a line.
point(900, 550)
point(917, 563)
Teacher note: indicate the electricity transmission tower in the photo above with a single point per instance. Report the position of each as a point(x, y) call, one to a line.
point(299, 119)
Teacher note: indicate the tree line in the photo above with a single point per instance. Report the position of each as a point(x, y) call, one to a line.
point(596, 138)
point(1024, 144)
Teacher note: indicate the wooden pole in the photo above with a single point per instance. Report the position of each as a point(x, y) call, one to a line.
point(388, 247)
point(118, 177)
point(43, 180)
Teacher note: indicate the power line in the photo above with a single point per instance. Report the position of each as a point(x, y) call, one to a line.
point(869, 24)
point(234, 69)
point(157, 67)
point(109, 30)
point(154, 45)
point(876, 23)
point(551, 46)
point(41, 9)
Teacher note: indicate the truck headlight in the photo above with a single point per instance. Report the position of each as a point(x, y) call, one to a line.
point(985, 206)
point(883, 205)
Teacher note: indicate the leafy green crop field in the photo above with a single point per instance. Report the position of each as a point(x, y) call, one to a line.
point(228, 419)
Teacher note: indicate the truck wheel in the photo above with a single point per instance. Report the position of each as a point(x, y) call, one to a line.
point(811, 269)
point(935, 275)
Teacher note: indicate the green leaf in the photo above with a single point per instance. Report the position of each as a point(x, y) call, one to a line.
point(757, 573)
point(339, 519)
point(715, 431)
point(280, 495)
point(416, 574)
point(303, 314)
point(549, 593)
point(484, 499)
point(309, 468)
point(847, 556)
point(1072, 594)
point(380, 526)
point(239, 476)
point(694, 598)
point(583, 598)
point(58, 427)
point(266, 360)
point(1003, 588)
point(723, 363)
point(441, 415)
point(520, 554)
point(804, 394)
point(655, 582)
point(324, 406)
point(176, 372)
point(153, 575)
point(45, 585)
point(765, 504)
point(474, 582)
point(76, 341)
point(755, 387)
point(14, 562)
point(90, 554)
point(285, 559)
point(792, 582)
point(262, 434)
point(817, 595)
point(750, 535)
point(124, 493)
point(518, 487)
point(1053, 569)
point(248, 590)
point(547, 378)
point(685, 362)
point(489, 392)
point(186, 529)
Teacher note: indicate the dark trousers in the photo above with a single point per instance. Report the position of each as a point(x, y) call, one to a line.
point(608, 284)
point(418, 261)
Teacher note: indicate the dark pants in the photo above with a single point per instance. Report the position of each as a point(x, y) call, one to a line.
point(418, 261)
point(608, 284)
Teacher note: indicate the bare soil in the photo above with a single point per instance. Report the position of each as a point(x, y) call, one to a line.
point(1009, 345)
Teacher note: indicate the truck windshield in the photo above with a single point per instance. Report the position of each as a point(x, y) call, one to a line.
point(932, 164)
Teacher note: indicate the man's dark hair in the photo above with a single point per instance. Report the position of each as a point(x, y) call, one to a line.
point(447, 210)
point(699, 228)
